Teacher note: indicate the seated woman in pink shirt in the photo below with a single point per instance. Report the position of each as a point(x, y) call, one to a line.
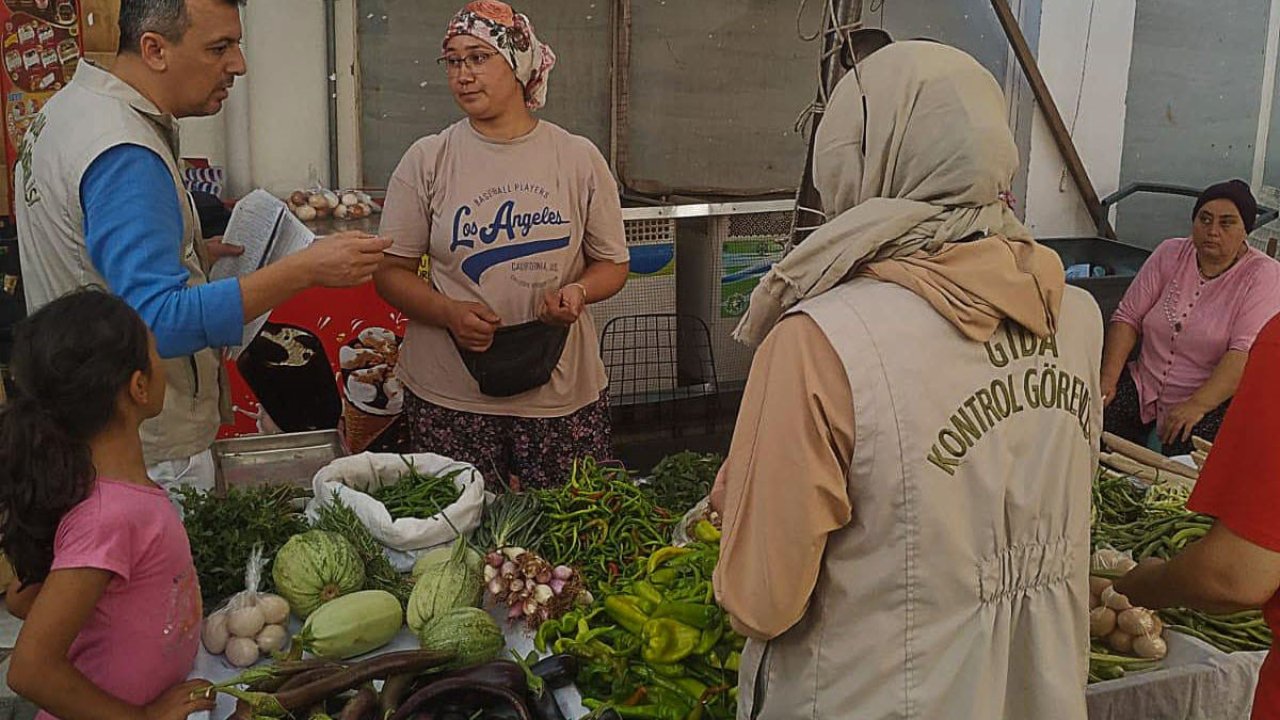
point(1196, 306)
point(105, 578)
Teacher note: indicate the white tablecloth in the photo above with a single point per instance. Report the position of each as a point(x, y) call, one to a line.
point(215, 668)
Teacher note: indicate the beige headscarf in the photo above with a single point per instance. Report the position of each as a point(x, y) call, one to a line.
point(938, 155)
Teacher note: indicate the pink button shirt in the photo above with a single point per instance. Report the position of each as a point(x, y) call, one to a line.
point(143, 636)
point(1188, 323)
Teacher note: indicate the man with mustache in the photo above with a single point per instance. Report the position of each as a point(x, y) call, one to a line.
point(100, 201)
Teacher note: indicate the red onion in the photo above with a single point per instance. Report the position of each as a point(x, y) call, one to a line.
point(557, 585)
point(562, 572)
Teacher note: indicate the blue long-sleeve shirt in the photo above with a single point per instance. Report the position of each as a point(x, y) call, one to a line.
point(133, 231)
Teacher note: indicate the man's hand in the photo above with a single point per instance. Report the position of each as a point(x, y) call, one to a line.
point(344, 259)
point(1108, 391)
point(563, 306)
point(472, 325)
point(218, 249)
point(180, 701)
point(1181, 421)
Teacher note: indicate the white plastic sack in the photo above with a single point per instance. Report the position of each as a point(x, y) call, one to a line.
point(405, 539)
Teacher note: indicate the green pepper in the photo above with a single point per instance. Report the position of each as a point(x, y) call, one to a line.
point(733, 662)
point(706, 532)
point(662, 556)
point(710, 637)
point(694, 614)
point(647, 592)
point(625, 610)
point(663, 577)
point(668, 641)
point(546, 631)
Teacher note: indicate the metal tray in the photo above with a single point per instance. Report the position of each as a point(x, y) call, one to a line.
point(283, 459)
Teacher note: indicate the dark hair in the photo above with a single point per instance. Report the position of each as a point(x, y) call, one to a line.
point(70, 361)
point(167, 18)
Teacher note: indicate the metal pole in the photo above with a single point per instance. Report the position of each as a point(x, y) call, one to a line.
point(839, 17)
point(331, 68)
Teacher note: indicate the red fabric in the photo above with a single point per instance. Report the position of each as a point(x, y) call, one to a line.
point(1240, 484)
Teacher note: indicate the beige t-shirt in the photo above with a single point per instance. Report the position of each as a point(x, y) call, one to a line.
point(503, 223)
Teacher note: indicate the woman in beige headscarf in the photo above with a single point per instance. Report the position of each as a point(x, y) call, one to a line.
point(896, 542)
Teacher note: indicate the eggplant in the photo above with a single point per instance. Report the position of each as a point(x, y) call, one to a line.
point(544, 706)
point(557, 671)
point(430, 694)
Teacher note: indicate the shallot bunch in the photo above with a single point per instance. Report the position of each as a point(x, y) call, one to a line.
point(530, 587)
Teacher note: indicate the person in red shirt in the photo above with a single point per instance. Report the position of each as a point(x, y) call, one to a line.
point(1236, 566)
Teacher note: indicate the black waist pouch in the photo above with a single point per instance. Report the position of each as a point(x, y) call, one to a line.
point(521, 358)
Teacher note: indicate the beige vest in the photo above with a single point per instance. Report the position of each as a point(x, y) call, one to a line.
point(960, 589)
point(94, 113)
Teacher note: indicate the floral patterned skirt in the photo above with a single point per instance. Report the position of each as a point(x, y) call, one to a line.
point(520, 452)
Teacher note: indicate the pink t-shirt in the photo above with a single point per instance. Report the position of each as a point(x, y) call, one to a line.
point(143, 636)
point(1188, 323)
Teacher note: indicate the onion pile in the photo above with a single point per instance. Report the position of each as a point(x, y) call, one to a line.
point(1124, 628)
point(320, 204)
point(250, 626)
point(530, 587)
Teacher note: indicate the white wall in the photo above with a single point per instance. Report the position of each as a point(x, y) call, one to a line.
point(273, 132)
point(1089, 88)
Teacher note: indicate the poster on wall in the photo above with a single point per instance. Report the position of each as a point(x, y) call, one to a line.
point(324, 360)
point(41, 48)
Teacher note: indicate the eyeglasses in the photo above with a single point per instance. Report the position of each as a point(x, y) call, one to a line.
point(472, 61)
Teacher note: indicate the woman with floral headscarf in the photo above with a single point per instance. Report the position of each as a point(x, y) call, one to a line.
point(522, 227)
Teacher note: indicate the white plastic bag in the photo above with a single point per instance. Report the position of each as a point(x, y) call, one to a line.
point(352, 477)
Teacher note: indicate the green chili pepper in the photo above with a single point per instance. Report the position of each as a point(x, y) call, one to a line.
point(625, 610)
point(661, 557)
point(668, 641)
point(733, 662)
point(696, 615)
point(665, 670)
point(667, 697)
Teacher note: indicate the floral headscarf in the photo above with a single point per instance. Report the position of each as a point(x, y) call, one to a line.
point(511, 34)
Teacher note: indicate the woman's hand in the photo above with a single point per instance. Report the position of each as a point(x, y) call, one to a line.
point(472, 325)
point(180, 701)
point(564, 306)
point(1181, 421)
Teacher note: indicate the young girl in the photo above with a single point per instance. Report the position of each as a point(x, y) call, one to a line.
point(105, 577)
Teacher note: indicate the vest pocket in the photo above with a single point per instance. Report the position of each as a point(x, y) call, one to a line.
point(760, 683)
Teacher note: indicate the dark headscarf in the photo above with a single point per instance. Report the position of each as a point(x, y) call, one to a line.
point(1237, 191)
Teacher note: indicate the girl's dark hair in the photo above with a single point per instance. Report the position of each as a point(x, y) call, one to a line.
point(70, 361)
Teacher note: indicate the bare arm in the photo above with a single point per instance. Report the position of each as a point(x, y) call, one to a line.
point(340, 260)
point(18, 600)
point(41, 672)
point(600, 281)
point(1121, 339)
point(1221, 573)
point(1221, 386)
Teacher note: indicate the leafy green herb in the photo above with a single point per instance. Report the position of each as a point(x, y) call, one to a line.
point(223, 531)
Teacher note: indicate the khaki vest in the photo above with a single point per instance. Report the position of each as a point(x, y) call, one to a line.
point(960, 589)
point(94, 113)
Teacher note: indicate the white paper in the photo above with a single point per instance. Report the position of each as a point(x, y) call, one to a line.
point(268, 231)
